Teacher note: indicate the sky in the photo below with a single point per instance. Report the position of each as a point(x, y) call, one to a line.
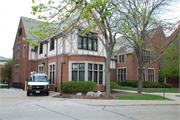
point(10, 12)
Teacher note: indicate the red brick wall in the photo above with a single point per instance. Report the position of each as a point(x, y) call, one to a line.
point(24, 65)
point(174, 81)
point(112, 74)
point(131, 65)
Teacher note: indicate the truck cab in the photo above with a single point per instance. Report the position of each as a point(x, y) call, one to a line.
point(38, 83)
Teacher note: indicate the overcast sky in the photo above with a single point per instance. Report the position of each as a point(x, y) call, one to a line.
point(10, 13)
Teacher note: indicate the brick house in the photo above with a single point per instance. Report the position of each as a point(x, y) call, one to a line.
point(126, 63)
point(84, 56)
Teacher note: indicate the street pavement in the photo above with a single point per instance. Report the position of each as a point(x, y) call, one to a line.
point(15, 105)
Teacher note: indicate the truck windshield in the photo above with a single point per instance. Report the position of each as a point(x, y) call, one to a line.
point(40, 79)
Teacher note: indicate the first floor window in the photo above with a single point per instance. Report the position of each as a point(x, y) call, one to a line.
point(95, 70)
point(122, 74)
point(52, 73)
point(78, 72)
point(151, 75)
point(88, 72)
point(40, 69)
point(16, 73)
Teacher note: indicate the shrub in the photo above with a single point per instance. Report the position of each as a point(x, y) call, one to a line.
point(114, 85)
point(116, 81)
point(78, 86)
point(146, 84)
point(131, 83)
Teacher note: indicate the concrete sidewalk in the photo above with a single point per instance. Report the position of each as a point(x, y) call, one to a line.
point(18, 93)
point(96, 102)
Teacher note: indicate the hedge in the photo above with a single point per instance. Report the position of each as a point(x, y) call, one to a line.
point(146, 84)
point(114, 85)
point(78, 86)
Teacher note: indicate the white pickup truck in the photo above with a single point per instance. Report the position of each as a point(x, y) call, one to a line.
point(38, 83)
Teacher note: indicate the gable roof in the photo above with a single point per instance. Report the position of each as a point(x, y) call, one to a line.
point(3, 58)
point(31, 23)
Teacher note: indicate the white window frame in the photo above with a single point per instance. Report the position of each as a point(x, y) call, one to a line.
point(39, 69)
point(138, 73)
point(121, 59)
point(120, 72)
point(51, 81)
point(154, 74)
point(86, 70)
point(24, 50)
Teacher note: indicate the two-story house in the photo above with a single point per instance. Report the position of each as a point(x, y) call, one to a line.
point(84, 56)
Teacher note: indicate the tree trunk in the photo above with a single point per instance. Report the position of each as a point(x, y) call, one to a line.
point(107, 74)
point(140, 72)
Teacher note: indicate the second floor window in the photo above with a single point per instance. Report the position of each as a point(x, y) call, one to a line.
point(52, 44)
point(122, 58)
point(18, 50)
point(146, 56)
point(41, 48)
point(24, 51)
point(88, 41)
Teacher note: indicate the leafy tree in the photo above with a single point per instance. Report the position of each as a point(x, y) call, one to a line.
point(138, 20)
point(170, 61)
point(5, 69)
point(130, 18)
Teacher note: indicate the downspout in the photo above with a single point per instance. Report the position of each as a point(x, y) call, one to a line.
point(56, 65)
point(46, 57)
point(36, 59)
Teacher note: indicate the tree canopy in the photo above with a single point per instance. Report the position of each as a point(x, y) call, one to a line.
point(5, 69)
point(133, 19)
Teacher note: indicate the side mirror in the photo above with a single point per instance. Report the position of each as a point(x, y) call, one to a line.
point(49, 80)
point(26, 79)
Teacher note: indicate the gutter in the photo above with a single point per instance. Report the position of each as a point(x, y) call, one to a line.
point(46, 57)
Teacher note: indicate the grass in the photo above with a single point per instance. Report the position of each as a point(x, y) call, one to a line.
point(141, 97)
point(167, 90)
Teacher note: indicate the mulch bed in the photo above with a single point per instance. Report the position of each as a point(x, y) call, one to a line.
point(113, 95)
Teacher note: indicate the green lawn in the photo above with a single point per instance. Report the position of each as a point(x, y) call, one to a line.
point(141, 97)
point(167, 90)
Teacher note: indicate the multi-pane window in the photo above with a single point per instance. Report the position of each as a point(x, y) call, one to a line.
point(146, 56)
point(144, 74)
point(52, 44)
point(122, 74)
point(41, 48)
point(88, 41)
point(151, 75)
point(122, 58)
point(24, 51)
point(18, 50)
point(20, 32)
point(78, 72)
point(52, 73)
point(16, 73)
point(40, 69)
point(95, 70)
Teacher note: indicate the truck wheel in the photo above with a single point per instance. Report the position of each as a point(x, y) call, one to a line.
point(47, 93)
point(28, 94)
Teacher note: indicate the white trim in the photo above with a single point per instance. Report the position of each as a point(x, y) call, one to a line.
point(124, 58)
point(16, 64)
point(40, 66)
point(154, 73)
point(53, 63)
